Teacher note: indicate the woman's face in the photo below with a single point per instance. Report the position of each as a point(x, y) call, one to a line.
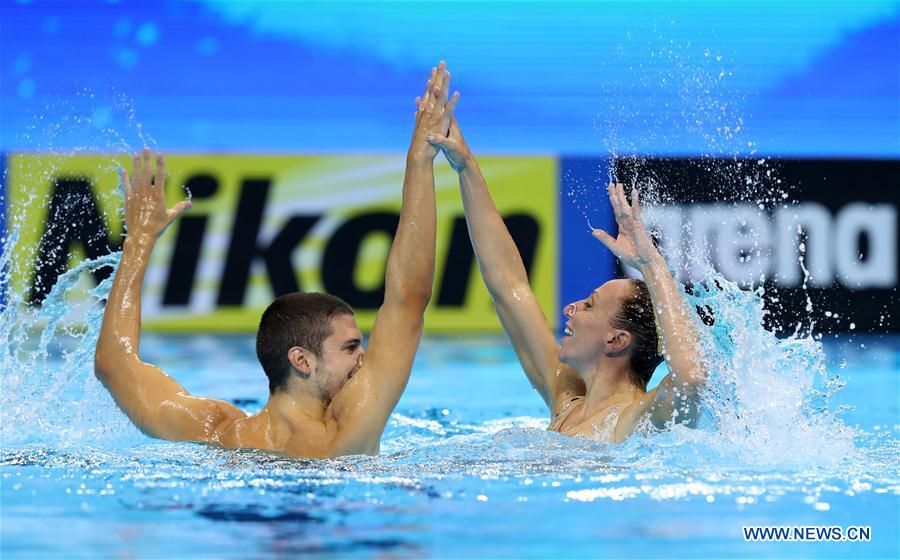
point(588, 328)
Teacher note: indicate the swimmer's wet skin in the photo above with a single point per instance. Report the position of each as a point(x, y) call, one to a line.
point(328, 397)
point(595, 383)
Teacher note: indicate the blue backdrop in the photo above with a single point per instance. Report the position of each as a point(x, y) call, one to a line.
point(779, 78)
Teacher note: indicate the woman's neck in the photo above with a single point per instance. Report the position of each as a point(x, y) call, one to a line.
point(607, 383)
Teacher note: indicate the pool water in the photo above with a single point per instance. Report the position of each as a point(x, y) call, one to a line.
point(466, 470)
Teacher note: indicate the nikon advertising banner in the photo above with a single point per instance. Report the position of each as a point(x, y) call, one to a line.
point(266, 225)
point(262, 226)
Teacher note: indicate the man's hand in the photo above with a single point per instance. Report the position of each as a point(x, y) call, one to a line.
point(155, 402)
point(434, 111)
point(633, 246)
point(145, 205)
point(454, 145)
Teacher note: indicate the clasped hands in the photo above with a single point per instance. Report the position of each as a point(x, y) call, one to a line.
point(436, 127)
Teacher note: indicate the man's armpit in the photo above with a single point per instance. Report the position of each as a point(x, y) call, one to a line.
point(202, 419)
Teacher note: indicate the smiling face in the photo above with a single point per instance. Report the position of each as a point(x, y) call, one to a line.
point(341, 356)
point(588, 327)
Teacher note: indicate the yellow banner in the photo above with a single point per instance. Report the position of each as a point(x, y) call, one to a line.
point(264, 225)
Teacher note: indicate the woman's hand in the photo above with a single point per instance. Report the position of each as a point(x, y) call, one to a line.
point(454, 145)
point(146, 215)
point(633, 246)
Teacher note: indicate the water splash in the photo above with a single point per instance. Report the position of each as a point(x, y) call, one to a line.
point(769, 396)
point(49, 392)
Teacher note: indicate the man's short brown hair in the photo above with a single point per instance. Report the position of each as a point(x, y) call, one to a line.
point(297, 319)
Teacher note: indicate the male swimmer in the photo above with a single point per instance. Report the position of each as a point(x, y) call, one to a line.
point(595, 383)
point(327, 396)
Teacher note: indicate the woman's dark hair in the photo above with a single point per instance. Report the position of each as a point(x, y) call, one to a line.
point(298, 319)
point(636, 317)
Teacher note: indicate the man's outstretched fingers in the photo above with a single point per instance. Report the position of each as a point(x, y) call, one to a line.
point(160, 179)
point(136, 170)
point(445, 85)
point(426, 97)
point(146, 171)
point(437, 93)
point(419, 107)
point(126, 184)
point(179, 209)
point(439, 76)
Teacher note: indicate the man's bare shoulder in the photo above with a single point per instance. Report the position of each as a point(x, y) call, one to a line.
point(226, 412)
point(307, 438)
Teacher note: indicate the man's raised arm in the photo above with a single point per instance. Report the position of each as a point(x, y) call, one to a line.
point(364, 405)
point(155, 402)
point(507, 281)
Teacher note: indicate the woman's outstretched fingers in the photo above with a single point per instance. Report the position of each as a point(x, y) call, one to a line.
point(438, 141)
point(604, 238)
point(636, 203)
point(623, 200)
point(453, 101)
point(608, 241)
point(614, 200)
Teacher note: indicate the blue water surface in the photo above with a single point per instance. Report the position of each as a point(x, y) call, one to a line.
point(466, 470)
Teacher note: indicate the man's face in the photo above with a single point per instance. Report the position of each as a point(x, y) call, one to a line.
point(342, 355)
point(588, 325)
